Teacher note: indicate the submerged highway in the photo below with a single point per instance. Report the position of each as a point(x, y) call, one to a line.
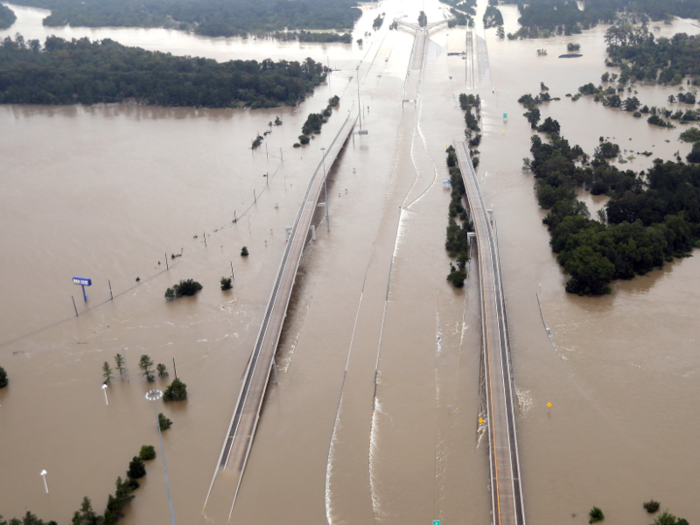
point(506, 489)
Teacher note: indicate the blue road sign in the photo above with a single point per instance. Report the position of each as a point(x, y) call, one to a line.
point(83, 282)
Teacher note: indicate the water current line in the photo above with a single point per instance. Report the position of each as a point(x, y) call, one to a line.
point(334, 436)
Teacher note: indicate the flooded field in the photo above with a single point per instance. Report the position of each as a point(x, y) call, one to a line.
point(108, 192)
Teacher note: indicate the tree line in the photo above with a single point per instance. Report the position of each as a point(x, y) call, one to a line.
point(642, 57)
point(565, 16)
point(650, 218)
point(115, 503)
point(89, 72)
point(210, 18)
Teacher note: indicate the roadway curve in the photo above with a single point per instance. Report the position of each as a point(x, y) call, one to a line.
point(506, 489)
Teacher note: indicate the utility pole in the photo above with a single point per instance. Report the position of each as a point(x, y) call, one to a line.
point(359, 103)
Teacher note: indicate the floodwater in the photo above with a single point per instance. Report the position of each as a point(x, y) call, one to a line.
point(374, 417)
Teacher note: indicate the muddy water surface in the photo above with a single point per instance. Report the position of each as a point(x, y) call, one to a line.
point(105, 192)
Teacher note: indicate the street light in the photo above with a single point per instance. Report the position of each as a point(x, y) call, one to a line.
point(43, 475)
point(154, 395)
point(325, 188)
point(104, 389)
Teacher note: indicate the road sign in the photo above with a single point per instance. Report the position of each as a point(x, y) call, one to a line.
point(505, 115)
point(436, 522)
point(83, 282)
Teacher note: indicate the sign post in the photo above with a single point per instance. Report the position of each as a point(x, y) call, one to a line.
point(83, 282)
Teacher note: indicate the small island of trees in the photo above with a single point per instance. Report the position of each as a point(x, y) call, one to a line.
point(211, 18)
point(650, 218)
point(90, 72)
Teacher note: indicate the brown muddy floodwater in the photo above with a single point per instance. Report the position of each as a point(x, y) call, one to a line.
point(106, 191)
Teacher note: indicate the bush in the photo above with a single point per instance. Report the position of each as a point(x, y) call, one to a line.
point(244, 252)
point(147, 453)
point(3, 378)
point(137, 469)
point(651, 506)
point(163, 422)
point(184, 287)
point(176, 391)
point(303, 139)
point(226, 283)
point(694, 155)
point(596, 515)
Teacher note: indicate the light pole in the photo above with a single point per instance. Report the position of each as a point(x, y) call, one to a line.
point(154, 395)
point(43, 475)
point(325, 188)
point(104, 389)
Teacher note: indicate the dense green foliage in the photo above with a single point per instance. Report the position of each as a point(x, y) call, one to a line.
point(377, 24)
point(3, 378)
point(209, 18)
point(457, 241)
point(666, 518)
point(649, 219)
point(315, 121)
point(472, 111)
point(596, 515)
point(545, 17)
point(309, 36)
point(186, 287)
point(147, 453)
point(7, 17)
point(164, 422)
point(85, 72)
point(651, 506)
point(642, 57)
point(27, 519)
point(226, 284)
point(422, 19)
point(176, 391)
point(492, 17)
point(137, 468)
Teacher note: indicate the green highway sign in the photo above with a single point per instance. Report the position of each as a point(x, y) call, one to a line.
point(436, 522)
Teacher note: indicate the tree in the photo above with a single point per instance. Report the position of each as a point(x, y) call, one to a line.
point(86, 516)
point(694, 155)
point(666, 518)
point(3, 378)
point(651, 506)
point(107, 373)
point(147, 452)
point(226, 284)
point(145, 365)
point(533, 117)
point(119, 360)
point(176, 391)
point(137, 468)
point(162, 370)
point(244, 252)
point(163, 422)
point(549, 126)
point(186, 287)
point(596, 515)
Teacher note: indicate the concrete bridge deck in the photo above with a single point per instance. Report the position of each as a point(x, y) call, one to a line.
point(239, 438)
point(506, 489)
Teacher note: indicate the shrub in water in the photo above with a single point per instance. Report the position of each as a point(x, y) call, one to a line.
point(147, 452)
point(651, 506)
point(226, 283)
point(164, 422)
point(3, 378)
point(137, 469)
point(596, 515)
point(176, 391)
